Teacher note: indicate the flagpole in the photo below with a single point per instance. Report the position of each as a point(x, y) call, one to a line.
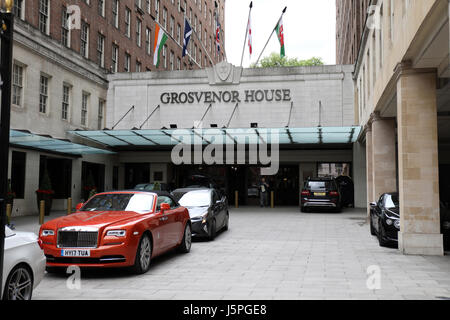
point(246, 32)
point(284, 10)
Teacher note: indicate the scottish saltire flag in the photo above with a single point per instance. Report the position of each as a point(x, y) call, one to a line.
point(187, 36)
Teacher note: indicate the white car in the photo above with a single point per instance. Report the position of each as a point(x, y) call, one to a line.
point(23, 265)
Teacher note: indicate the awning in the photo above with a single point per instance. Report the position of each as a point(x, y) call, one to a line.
point(205, 136)
point(25, 139)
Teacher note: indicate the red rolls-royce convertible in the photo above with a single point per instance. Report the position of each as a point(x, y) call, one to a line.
point(117, 229)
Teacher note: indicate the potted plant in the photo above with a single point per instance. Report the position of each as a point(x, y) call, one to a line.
point(45, 193)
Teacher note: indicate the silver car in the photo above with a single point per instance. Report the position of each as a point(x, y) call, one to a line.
point(23, 265)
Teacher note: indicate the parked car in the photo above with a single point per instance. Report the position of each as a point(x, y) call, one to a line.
point(445, 224)
point(253, 191)
point(24, 265)
point(118, 229)
point(208, 211)
point(385, 219)
point(151, 187)
point(320, 193)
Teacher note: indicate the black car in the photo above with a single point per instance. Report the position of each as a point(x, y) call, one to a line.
point(320, 193)
point(208, 211)
point(385, 219)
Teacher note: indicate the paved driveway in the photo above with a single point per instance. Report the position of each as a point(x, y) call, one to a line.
point(272, 254)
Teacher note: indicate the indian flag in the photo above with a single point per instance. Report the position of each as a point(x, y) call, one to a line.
point(280, 34)
point(160, 40)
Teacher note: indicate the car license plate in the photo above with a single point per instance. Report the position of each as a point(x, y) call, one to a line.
point(319, 194)
point(75, 253)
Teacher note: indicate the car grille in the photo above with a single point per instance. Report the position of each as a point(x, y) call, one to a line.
point(77, 239)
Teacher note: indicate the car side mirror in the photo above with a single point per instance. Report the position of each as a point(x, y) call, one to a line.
point(79, 206)
point(373, 204)
point(165, 207)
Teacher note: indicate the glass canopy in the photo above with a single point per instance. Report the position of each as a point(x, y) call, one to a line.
point(203, 136)
point(47, 143)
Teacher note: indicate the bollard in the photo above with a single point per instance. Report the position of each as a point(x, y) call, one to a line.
point(272, 203)
point(69, 206)
point(236, 199)
point(41, 212)
point(8, 213)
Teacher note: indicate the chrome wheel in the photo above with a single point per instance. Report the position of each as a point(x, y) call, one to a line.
point(19, 285)
point(145, 253)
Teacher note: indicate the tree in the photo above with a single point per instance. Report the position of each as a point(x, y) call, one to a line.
point(274, 60)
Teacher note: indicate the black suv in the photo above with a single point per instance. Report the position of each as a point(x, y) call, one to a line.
point(320, 193)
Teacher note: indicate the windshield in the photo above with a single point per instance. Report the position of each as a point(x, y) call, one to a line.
point(391, 201)
point(120, 202)
point(196, 199)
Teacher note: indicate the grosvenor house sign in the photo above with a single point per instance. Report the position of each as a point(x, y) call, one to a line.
point(248, 96)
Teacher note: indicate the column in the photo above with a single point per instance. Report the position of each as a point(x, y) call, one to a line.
point(384, 166)
point(369, 159)
point(418, 162)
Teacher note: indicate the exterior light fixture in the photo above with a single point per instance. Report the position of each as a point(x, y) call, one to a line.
point(7, 5)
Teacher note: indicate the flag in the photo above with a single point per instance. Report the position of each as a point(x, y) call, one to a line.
point(160, 40)
point(280, 35)
point(218, 34)
point(249, 36)
point(187, 36)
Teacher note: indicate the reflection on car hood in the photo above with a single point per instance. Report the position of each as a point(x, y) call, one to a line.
point(195, 212)
point(394, 211)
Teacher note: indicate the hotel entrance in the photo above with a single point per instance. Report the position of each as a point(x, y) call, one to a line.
point(243, 180)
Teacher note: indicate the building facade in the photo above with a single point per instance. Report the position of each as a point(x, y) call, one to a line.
point(63, 53)
point(351, 17)
point(402, 97)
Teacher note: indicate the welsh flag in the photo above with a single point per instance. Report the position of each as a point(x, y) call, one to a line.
point(160, 40)
point(280, 35)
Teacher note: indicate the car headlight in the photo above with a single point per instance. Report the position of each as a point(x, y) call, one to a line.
point(389, 222)
point(47, 233)
point(397, 224)
point(116, 233)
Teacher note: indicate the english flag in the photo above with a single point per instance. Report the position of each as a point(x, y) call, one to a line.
point(249, 36)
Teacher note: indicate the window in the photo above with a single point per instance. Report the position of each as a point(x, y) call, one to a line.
point(44, 14)
point(179, 33)
point(65, 32)
point(138, 66)
point(138, 32)
point(19, 9)
point(43, 94)
point(17, 85)
point(128, 22)
point(127, 62)
point(65, 102)
point(101, 50)
point(114, 58)
point(157, 10)
point(101, 107)
point(178, 64)
point(84, 108)
point(164, 22)
point(149, 6)
point(164, 54)
point(171, 61)
point(101, 7)
point(84, 40)
point(115, 13)
point(148, 47)
point(172, 26)
point(18, 165)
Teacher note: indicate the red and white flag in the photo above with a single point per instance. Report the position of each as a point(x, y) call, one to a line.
point(249, 35)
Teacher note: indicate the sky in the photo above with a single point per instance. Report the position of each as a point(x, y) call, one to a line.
point(309, 29)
